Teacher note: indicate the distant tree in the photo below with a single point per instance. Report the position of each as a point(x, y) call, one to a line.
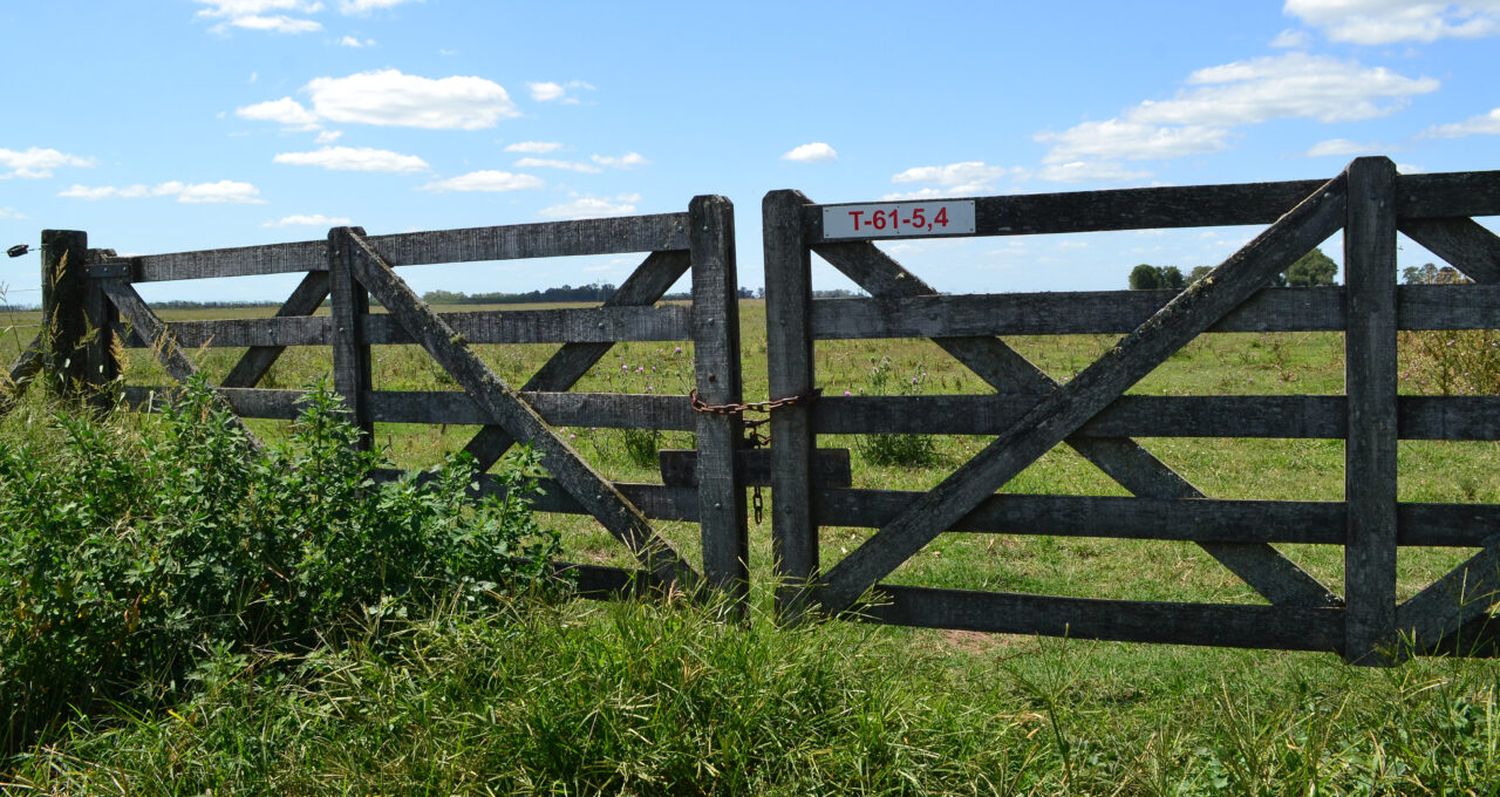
point(1145, 277)
point(1311, 270)
point(1431, 274)
point(1198, 273)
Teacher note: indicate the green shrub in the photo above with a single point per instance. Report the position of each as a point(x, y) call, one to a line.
point(130, 546)
point(901, 450)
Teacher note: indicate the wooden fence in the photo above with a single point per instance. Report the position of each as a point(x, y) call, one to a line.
point(1029, 413)
point(90, 300)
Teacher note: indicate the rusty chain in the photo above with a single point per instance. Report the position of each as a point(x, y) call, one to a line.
point(753, 437)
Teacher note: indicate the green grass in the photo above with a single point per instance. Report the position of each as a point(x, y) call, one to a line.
point(587, 698)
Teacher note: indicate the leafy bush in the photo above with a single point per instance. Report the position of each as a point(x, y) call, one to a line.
point(129, 547)
point(903, 450)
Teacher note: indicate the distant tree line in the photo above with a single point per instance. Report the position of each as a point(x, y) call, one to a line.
point(1311, 270)
point(1432, 274)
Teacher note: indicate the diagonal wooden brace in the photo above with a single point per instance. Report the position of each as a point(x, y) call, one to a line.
point(595, 493)
point(650, 281)
point(1059, 414)
point(27, 365)
point(1465, 244)
point(151, 329)
point(1456, 604)
point(254, 364)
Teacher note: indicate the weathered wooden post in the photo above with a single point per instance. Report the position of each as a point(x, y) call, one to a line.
point(716, 351)
point(1370, 383)
point(789, 348)
point(350, 304)
point(65, 321)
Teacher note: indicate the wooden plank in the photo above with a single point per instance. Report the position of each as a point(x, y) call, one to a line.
point(1370, 381)
point(789, 354)
point(1218, 625)
point(1448, 307)
point(723, 529)
point(27, 365)
point(510, 242)
point(349, 307)
point(1464, 243)
point(1061, 313)
point(1264, 568)
point(831, 467)
point(648, 283)
point(570, 325)
point(586, 410)
point(304, 301)
point(1201, 520)
point(101, 369)
point(1452, 602)
point(1123, 209)
point(1062, 412)
point(656, 501)
point(1447, 195)
point(1284, 417)
point(590, 325)
point(135, 312)
point(607, 504)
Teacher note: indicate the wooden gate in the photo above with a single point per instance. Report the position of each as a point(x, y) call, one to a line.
point(1031, 413)
point(350, 267)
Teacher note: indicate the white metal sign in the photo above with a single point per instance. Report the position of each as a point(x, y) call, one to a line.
point(899, 219)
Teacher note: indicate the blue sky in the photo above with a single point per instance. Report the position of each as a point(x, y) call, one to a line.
point(168, 125)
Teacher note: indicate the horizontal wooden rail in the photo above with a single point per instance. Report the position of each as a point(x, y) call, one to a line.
point(666, 231)
point(655, 501)
point(567, 325)
point(1291, 417)
point(1419, 196)
point(1119, 312)
point(1218, 625)
point(1121, 209)
point(1193, 519)
point(585, 410)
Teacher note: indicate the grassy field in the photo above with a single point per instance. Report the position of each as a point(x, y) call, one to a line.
point(1024, 715)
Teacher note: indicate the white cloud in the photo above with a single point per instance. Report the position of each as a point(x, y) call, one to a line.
point(276, 24)
point(1080, 171)
point(354, 159)
point(592, 207)
point(328, 136)
point(309, 220)
point(259, 15)
point(547, 163)
point(224, 191)
point(37, 163)
point(534, 147)
point(11, 214)
point(1387, 21)
point(389, 97)
point(966, 177)
point(549, 91)
point(355, 42)
point(1201, 118)
point(366, 6)
point(285, 111)
point(1484, 124)
point(488, 180)
point(629, 160)
point(1340, 146)
point(1119, 138)
point(811, 153)
point(221, 192)
point(1291, 39)
point(546, 92)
